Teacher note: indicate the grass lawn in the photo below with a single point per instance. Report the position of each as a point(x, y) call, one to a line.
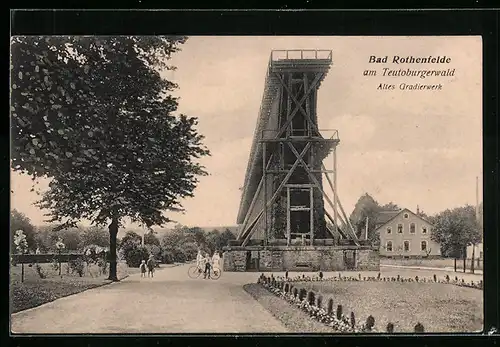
point(439, 307)
point(439, 263)
point(294, 319)
point(35, 291)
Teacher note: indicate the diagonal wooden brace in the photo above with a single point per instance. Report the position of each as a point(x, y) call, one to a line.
point(304, 97)
point(299, 104)
point(340, 205)
point(315, 180)
point(259, 187)
point(274, 197)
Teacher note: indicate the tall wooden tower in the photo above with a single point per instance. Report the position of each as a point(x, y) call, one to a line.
point(284, 196)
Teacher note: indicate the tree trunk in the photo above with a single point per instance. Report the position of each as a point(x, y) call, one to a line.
point(465, 258)
point(455, 263)
point(113, 231)
point(472, 261)
point(22, 272)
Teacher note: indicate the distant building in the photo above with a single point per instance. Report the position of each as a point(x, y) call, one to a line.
point(405, 234)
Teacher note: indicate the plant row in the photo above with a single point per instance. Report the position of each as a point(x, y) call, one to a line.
point(312, 304)
point(434, 279)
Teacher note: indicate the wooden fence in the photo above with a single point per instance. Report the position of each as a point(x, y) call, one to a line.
point(44, 258)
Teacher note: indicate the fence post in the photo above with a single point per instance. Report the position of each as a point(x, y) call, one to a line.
point(390, 328)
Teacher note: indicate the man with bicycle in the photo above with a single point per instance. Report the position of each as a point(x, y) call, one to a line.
point(208, 266)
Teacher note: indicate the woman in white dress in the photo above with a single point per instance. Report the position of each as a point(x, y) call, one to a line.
point(216, 260)
point(199, 259)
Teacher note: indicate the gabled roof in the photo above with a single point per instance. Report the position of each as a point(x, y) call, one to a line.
point(386, 216)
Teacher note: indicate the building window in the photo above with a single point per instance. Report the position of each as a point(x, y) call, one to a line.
point(406, 215)
point(412, 228)
point(423, 245)
point(388, 246)
point(389, 230)
point(424, 230)
point(400, 228)
point(406, 246)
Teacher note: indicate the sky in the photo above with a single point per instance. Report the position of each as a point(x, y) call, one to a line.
point(417, 147)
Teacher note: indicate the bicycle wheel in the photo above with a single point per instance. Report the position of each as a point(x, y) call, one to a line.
point(194, 272)
point(215, 273)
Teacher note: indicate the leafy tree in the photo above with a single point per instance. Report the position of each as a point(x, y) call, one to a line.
point(129, 247)
point(95, 235)
point(151, 239)
point(94, 115)
point(155, 250)
point(365, 207)
point(131, 237)
point(456, 229)
point(19, 221)
point(135, 255)
point(71, 238)
point(390, 207)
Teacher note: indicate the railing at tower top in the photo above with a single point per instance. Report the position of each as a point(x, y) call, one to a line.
point(301, 54)
point(328, 134)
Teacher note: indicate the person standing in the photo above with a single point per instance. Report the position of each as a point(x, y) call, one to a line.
point(151, 266)
point(143, 268)
point(199, 260)
point(207, 261)
point(216, 260)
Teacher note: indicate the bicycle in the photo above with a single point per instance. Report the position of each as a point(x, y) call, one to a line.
point(196, 271)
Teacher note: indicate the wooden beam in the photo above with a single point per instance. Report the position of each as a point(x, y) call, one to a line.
point(315, 180)
point(290, 116)
point(277, 192)
point(341, 207)
point(299, 105)
point(264, 175)
point(335, 225)
point(254, 222)
point(311, 226)
point(259, 187)
point(288, 229)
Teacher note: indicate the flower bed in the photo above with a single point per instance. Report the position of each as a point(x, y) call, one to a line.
point(291, 290)
point(336, 320)
point(446, 280)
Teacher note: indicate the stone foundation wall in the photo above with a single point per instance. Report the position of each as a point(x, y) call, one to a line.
point(367, 260)
point(235, 261)
point(308, 258)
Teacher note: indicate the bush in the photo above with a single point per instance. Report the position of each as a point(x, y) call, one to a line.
point(370, 323)
point(329, 307)
point(302, 294)
point(310, 298)
point(295, 292)
point(135, 255)
point(419, 328)
point(339, 312)
point(39, 271)
point(77, 265)
point(319, 301)
point(390, 328)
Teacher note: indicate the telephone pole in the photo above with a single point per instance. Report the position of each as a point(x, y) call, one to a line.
point(477, 221)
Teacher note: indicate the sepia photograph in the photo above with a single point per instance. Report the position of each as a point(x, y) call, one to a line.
point(246, 184)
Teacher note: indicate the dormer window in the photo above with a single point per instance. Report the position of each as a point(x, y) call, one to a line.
point(406, 215)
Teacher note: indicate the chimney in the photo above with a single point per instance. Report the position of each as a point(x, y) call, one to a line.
point(418, 210)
